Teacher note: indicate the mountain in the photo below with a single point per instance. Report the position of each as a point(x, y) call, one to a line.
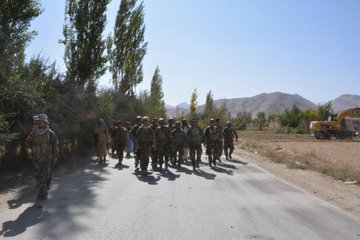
point(345, 101)
point(275, 102)
point(266, 102)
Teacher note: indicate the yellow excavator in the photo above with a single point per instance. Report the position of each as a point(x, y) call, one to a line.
point(345, 124)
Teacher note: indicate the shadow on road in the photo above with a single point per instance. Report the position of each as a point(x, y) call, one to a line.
point(169, 175)
point(121, 166)
point(223, 170)
point(31, 216)
point(206, 175)
point(238, 161)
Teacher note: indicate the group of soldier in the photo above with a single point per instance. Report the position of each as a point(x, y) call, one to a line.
point(172, 142)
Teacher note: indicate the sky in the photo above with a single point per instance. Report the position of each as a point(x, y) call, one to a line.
point(234, 48)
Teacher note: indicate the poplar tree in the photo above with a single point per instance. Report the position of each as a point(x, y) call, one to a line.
point(156, 101)
point(209, 105)
point(85, 57)
point(127, 47)
point(193, 103)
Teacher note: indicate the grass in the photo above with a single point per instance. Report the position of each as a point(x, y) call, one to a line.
point(339, 159)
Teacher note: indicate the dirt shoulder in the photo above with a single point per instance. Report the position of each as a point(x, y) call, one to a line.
point(343, 194)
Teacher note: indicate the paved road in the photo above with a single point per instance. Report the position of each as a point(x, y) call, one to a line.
point(238, 200)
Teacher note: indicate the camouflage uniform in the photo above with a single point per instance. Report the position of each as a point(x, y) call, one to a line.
point(185, 127)
point(44, 149)
point(145, 138)
point(154, 155)
point(212, 142)
point(178, 139)
point(162, 135)
point(229, 133)
point(220, 142)
point(195, 137)
point(120, 139)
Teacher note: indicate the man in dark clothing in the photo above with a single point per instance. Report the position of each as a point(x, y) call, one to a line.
point(195, 137)
point(178, 139)
point(229, 133)
point(145, 138)
point(133, 136)
point(212, 142)
point(162, 135)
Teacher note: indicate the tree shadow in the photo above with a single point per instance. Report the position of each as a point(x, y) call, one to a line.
point(206, 175)
point(31, 216)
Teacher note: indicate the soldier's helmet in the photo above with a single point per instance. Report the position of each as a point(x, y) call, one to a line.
point(145, 119)
point(161, 120)
point(138, 118)
point(178, 123)
point(36, 118)
point(171, 120)
point(43, 117)
point(212, 120)
point(228, 123)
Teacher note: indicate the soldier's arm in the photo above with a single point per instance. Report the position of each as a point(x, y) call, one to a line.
point(55, 148)
point(236, 136)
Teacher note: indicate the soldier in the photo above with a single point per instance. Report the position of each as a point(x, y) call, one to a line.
point(212, 142)
point(185, 126)
point(171, 127)
point(102, 138)
point(220, 142)
point(45, 152)
point(162, 135)
point(229, 133)
point(145, 137)
point(178, 139)
point(133, 136)
point(112, 135)
point(154, 156)
point(120, 140)
point(195, 137)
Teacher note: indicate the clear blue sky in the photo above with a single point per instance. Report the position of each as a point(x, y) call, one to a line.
point(236, 48)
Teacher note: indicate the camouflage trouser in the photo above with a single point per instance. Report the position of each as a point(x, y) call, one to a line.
point(144, 153)
point(120, 147)
point(179, 153)
point(163, 153)
point(212, 150)
point(195, 149)
point(220, 149)
point(42, 173)
point(228, 148)
point(154, 156)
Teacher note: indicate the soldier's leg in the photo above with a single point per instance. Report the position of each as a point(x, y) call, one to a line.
point(231, 150)
point(199, 153)
point(192, 156)
point(181, 155)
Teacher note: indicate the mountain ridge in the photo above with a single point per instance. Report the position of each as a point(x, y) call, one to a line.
point(275, 102)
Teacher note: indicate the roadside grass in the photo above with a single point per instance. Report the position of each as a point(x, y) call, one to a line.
point(339, 159)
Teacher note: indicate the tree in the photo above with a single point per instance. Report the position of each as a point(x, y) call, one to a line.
point(242, 119)
point(15, 18)
point(260, 119)
point(193, 104)
point(324, 111)
point(84, 46)
point(209, 105)
point(291, 118)
point(127, 47)
point(156, 107)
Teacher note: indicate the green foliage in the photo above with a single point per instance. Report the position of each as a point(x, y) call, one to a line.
point(291, 118)
point(209, 105)
point(155, 106)
point(193, 104)
point(260, 119)
point(324, 111)
point(127, 47)
point(84, 47)
point(242, 119)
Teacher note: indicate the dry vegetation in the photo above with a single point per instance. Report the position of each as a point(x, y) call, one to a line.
point(339, 159)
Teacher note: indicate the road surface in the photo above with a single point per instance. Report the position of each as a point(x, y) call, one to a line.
point(237, 200)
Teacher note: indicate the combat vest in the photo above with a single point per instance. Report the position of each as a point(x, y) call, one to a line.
point(178, 137)
point(195, 135)
point(213, 134)
point(162, 135)
point(145, 135)
point(42, 146)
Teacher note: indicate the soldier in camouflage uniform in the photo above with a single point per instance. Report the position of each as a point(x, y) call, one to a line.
point(195, 137)
point(133, 136)
point(212, 142)
point(229, 133)
point(102, 139)
point(145, 138)
point(162, 135)
point(178, 139)
point(220, 142)
point(45, 152)
point(120, 139)
point(154, 155)
point(185, 126)
point(171, 127)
